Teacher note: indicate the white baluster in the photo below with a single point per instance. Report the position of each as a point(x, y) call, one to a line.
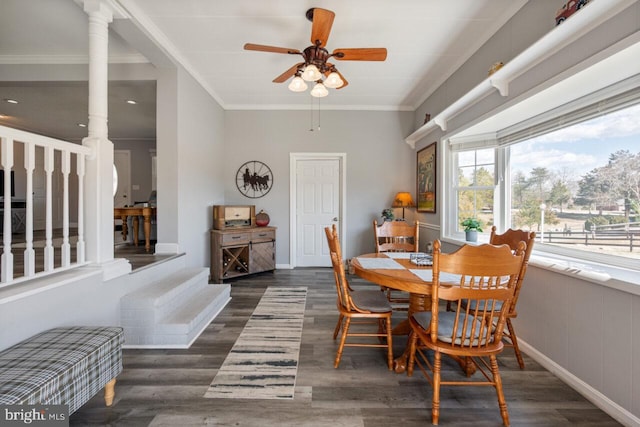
point(65, 248)
point(48, 248)
point(29, 252)
point(6, 262)
point(80, 247)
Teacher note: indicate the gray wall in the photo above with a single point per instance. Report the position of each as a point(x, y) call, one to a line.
point(140, 166)
point(190, 165)
point(379, 163)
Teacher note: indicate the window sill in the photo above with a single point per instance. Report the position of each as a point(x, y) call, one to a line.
point(622, 279)
point(619, 278)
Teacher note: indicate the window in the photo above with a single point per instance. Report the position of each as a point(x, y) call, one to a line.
point(576, 186)
point(475, 185)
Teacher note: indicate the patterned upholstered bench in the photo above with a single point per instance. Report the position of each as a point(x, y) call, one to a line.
point(67, 365)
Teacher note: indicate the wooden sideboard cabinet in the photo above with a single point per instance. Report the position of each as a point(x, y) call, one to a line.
point(243, 251)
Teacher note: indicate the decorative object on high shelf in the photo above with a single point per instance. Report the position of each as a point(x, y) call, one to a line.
point(387, 214)
point(254, 179)
point(472, 226)
point(315, 65)
point(495, 67)
point(568, 9)
point(427, 117)
point(262, 219)
point(426, 179)
point(403, 200)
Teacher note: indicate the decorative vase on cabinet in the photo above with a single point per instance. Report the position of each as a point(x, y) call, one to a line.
point(262, 219)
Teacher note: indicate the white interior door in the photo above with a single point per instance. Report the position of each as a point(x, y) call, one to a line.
point(122, 160)
point(318, 205)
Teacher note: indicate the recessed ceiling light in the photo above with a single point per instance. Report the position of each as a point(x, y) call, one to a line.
point(82, 125)
point(131, 101)
point(11, 101)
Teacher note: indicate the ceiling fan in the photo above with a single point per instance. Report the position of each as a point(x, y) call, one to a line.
point(315, 64)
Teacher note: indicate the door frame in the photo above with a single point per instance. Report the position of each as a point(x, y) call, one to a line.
point(294, 158)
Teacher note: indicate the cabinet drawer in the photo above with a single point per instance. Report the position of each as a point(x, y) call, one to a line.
point(233, 238)
point(263, 236)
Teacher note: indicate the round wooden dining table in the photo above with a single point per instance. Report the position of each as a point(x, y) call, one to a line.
point(401, 279)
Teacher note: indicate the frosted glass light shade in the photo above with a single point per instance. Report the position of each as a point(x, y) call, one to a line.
point(311, 73)
point(319, 91)
point(333, 81)
point(297, 85)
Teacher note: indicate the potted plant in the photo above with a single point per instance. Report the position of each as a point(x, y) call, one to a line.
point(471, 228)
point(387, 214)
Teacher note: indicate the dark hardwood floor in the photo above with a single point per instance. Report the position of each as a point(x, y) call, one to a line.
point(166, 387)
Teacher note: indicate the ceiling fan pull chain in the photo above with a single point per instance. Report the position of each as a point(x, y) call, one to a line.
point(310, 113)
point(318, 114)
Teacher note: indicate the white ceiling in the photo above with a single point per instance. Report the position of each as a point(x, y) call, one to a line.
point(426, 40)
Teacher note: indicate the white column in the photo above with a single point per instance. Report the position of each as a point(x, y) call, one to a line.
point(98, 194)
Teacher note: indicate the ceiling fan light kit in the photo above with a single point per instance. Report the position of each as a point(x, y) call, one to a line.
point(297, 85)
point(333, 80)
point(311, 73)
point(319, 91)
point(315, 65)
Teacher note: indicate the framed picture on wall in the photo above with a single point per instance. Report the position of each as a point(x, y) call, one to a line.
point(426, 179)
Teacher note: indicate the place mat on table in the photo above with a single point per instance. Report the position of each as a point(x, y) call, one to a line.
point(401, 255)
point(427, 276)
point(379, 263)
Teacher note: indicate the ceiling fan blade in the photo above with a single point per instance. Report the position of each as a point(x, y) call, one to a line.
point(274, 49)
point(361, 54)
point(322, 22)
point(290, 72)
point(343, 79)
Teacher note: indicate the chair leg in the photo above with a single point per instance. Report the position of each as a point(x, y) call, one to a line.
point(498, 385)
point(343, 339)
point(389, 344)
point(514, 342)
point(413, 340)
point(338, 326)
point(435, 408)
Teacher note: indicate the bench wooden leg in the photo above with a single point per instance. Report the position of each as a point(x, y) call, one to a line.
point(110, 392)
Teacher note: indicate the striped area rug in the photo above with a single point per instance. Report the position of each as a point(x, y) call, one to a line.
point(263, 362)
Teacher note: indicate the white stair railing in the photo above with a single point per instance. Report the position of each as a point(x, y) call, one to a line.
point(56, 161)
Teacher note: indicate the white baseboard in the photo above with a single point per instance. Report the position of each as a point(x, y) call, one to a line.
point(284, 267)
point(619, 413)
point(167, 248)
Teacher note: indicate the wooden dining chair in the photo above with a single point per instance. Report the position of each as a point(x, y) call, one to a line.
point(485, 276)
point(513, 238)
point(358, 307)
point(396, 236)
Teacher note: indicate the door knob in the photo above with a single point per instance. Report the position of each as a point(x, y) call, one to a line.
point(335, 219)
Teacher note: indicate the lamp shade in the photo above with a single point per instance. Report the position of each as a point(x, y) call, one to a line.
point(319, 91)
point(333, 81)
point(311, 73)
point(297, 85)
point(403, 200)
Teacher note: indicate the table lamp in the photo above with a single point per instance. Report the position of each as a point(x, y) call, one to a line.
point(403, 200)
